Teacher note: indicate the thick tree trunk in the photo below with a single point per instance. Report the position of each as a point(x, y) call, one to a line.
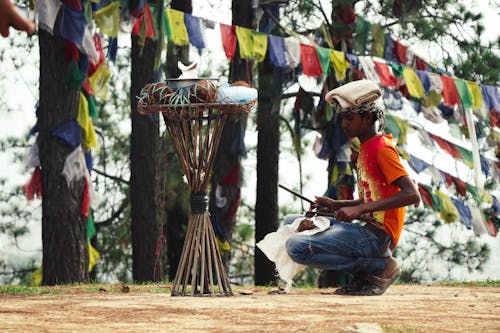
point(266, 208)
point(227, 162)
point(144, 176)
point(177, 189)
point(64, 229)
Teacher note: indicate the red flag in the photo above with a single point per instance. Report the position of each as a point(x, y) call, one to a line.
point(310, 61)
point(425, 195)
point(98, 46)
point(460, 186)
point(33, 187)
point(70, 52)
point(146, 15)
point(84, 209)
point(400, 50)
point(450, 92)
point(228, 35)
point(420, 64)
point(447, 146)
point(385, 75)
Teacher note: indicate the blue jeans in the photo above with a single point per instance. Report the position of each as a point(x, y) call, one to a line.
point(342, 247)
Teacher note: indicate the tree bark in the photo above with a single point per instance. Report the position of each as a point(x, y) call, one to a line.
point(177, 189)
point(227, 163)
point(64, 229)
point(266, 208)
point(144, 174)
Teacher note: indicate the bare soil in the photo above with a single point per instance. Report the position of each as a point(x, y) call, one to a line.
point(403, 308)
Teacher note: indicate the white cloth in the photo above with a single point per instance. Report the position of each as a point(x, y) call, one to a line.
point(292, 51)
point(273, 245)
point(368, 67)
point(88, 45)
point(32, 158)
point(47, 13)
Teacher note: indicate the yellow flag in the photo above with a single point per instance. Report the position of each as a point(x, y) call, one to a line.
point(244, 37)
point(178, 32)
point(477, 96)
point(107, 19)
point(94, 256)
point(340, 64)
point(449, 212)
point(99, 81)
point(415, 88)
point(36, 276)
point(83, 119)
point(259, 45)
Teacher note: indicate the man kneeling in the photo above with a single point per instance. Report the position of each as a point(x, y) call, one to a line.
point(363, 232)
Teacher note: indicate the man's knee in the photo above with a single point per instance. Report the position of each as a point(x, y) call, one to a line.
point(298, 249)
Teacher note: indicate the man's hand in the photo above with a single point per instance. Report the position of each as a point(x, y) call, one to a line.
point(324, 204)
point(347, 214)
point(10, 17)
point(305, 224)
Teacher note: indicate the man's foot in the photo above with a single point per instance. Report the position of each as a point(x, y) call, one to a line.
point(372, 285)
point(391, 265)
point(357, 283)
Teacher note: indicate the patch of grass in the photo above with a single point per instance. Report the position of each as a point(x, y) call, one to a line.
point(27, 290)
point(485, 283)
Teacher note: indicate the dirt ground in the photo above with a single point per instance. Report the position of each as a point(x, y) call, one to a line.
point(403, 308)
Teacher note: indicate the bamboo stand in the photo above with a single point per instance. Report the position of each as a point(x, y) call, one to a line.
point(195, 129)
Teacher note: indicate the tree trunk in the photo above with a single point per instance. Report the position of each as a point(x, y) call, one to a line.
point(64, 229)
point(178, 205)
point(227, 176)
point(266, 208)
point(144, 174)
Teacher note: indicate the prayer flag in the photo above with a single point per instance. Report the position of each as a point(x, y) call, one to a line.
point(386, 78)
point(47, 13)
point(194, 27)
point(277, 51)
point(324, 59)
point(475, 92)
point(415, 88)
point(401, 52)
point(464, 93)
point(450, 93)
point(310, 61)
point(89, 136)
point(177, 27)
point(107, 19)
point(464, 212)
point(448, 211)
point(378, 40)
point(228, 35)
point(292, 52)
point(259, 41)
point(99, 81)
point(72, 24)
point(245, 43)
point(340, 64)
point(491, 97)
point(70, 133)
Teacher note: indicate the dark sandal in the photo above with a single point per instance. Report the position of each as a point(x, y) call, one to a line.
point(357, 283)
point(372, 286)
point(377, 285)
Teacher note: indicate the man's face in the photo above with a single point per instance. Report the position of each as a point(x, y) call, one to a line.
point(353, 124)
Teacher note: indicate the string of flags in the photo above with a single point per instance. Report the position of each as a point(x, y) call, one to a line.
point(85, 23)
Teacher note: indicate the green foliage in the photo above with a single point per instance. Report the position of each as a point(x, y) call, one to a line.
point(428, 256)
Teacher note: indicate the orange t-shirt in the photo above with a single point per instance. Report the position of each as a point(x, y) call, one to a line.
point(378, 166)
